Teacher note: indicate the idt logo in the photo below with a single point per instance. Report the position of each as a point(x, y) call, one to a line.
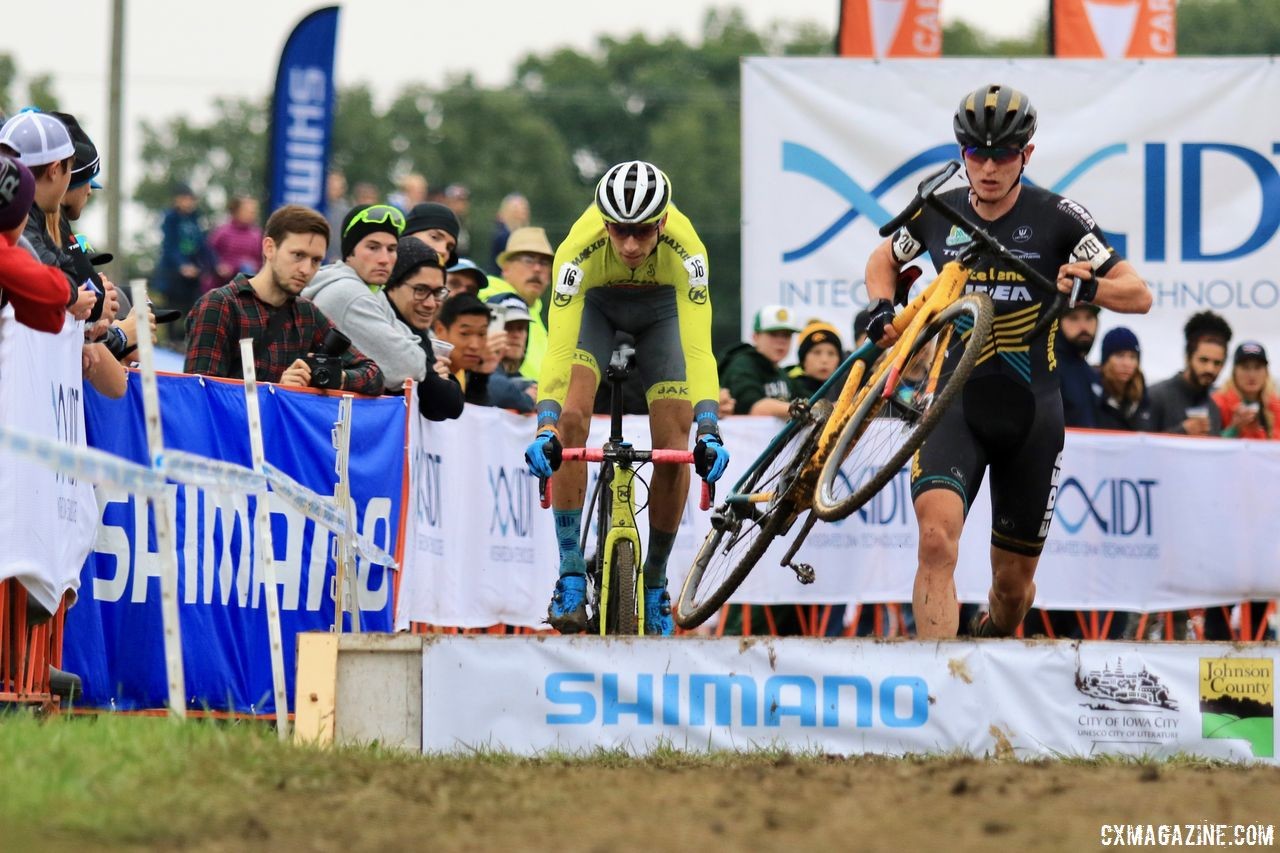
point(512, 491)
point(1194, 159)
point(1119, 507)
point(889, 506)
point(427, 503)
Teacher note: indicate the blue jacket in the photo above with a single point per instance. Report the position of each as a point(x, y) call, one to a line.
point(1077, 380)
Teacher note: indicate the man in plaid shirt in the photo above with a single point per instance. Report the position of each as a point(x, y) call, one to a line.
point(293, 249)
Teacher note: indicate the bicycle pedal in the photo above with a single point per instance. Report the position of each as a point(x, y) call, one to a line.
point(804, 572)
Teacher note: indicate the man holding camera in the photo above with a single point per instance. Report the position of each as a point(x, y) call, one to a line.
point(293, 342)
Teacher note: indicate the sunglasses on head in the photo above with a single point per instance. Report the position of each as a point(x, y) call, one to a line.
point(641, 232)
point(377, 215)
point(1001, 156)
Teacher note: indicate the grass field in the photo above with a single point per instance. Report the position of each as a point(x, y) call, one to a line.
point(145, 783)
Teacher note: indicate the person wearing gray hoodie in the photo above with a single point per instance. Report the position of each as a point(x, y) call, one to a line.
point(348, 293)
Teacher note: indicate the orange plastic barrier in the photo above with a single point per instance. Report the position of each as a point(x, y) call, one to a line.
point(26, 652)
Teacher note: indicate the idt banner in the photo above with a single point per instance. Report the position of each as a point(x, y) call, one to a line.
point(1114, 29)
point(113, 635)
point(302, 112)
point(897, 28)
point(1187, 188)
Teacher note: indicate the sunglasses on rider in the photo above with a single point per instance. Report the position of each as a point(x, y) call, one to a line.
point(640, 232)
point(376, 215)
point(1001, 156)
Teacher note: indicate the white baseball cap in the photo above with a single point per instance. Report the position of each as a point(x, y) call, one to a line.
point(775, 318)
point(38, 137)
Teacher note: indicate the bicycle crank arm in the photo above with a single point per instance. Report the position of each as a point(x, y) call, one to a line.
point(802, 570)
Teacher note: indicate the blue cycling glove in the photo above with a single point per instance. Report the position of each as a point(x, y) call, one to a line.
point(543, 456)
point(709, 457)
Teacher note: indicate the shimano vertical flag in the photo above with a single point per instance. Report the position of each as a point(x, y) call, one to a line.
point(1114, 29)
point(898, 28)
point(302, 113)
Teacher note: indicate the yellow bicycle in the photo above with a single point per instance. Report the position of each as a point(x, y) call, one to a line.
point(615, 604)
point(834, 457)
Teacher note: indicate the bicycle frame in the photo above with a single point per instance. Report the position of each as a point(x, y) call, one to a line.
point(621, 458)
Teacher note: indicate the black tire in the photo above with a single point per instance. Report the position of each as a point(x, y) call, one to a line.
point(622, 615)
point(881, 435)
point(741, 533)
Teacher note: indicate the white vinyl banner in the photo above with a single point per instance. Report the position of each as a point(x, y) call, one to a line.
point(997, 698)
point(48, 519)
point(1177, 160)
point(1141, 522)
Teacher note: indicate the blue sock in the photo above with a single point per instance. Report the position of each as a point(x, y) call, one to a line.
point(655, 561)
point(568, 526)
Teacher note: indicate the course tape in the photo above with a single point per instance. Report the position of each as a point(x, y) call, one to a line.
point(107, 469)
point(84, 463)
point(325, 513)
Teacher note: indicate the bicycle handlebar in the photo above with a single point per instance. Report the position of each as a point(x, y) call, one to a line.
point(926, 193)
point(658, 457)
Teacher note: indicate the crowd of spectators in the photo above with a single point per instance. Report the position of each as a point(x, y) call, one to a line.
point(383, 291)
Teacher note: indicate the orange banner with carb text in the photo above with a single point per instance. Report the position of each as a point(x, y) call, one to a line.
point(896, 28)
point(1114, 29)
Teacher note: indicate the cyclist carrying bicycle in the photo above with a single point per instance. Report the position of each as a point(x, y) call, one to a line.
point(632, 263)
point(1008, 420)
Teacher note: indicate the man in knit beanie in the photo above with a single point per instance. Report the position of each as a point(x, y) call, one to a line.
point(349, 294)
point(437, 226)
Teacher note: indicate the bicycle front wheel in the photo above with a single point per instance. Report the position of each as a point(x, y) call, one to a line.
point(621, 614)
point(882, 434)
point(743, 527)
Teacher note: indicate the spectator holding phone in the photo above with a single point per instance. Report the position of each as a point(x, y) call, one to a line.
point(1181, 404)
point(1248, 403)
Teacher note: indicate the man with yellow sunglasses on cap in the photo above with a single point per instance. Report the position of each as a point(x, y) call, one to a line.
point(349, 293)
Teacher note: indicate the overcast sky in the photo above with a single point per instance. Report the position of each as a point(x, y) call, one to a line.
point(182, 54)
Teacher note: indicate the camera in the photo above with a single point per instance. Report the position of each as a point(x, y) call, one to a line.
point(326, 362)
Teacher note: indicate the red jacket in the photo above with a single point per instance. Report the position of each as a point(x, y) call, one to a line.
point(1229, 401)
point(38, 293)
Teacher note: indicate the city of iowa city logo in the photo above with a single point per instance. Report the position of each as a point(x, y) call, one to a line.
point(1237, 701)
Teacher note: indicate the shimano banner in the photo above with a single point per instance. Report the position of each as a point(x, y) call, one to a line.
point(113, 634)
point(1180, 165)
point(302, 113)
point(1002, 698)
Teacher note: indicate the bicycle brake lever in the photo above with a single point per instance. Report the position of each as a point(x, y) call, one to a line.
point(544, 492)
point(708, 496)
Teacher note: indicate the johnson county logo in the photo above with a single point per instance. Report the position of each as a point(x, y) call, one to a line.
point(1125, 707)
point(1237, 701)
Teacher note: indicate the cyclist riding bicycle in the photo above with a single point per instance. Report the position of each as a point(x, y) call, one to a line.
point(1009, 417)
point(632, 263)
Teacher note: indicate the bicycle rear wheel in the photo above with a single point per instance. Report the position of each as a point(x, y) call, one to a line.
point(743, 527)
point(621, 616)
point(882, 434)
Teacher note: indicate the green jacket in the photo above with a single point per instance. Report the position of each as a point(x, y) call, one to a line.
point(537, 347)
point(751, 377)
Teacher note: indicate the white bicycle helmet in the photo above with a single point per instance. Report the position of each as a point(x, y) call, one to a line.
point(633, 192)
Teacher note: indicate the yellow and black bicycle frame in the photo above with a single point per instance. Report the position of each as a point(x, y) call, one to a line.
point(622, 528)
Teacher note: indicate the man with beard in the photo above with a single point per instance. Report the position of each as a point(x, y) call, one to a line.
point(1181, 404)
point(268, 308)
point(1077, 329)
point(526, 270)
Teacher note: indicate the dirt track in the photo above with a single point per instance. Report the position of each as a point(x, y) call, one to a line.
point(868, 804)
